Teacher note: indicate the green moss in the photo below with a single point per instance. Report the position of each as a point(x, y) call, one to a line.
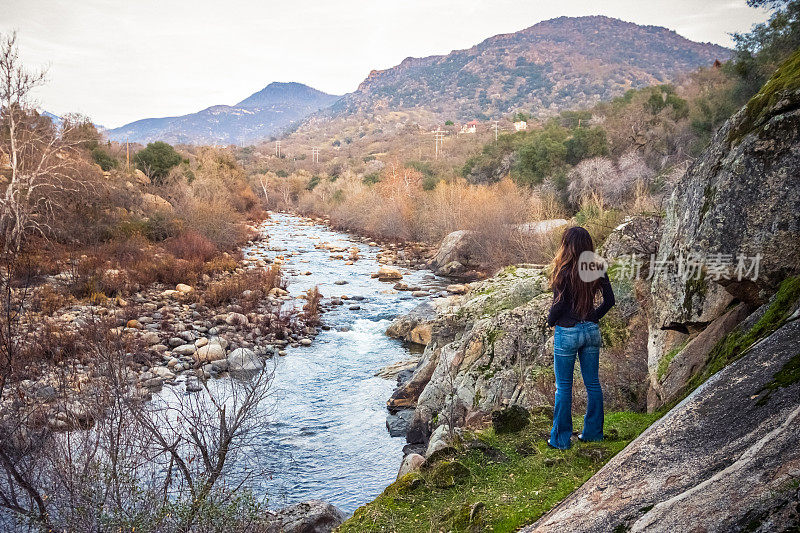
point(663, 364)
point(789, 374)
point(498, 496)
point(736, 343)
point(785, 80)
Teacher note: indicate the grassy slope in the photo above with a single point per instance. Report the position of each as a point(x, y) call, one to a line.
point(496, 496)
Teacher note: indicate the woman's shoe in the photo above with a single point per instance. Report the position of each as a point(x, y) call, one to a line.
point(554, 447)
point(580, 438)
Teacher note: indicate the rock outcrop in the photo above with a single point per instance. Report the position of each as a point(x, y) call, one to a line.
point(725, 459)
point(736, 208)
point(488, 349)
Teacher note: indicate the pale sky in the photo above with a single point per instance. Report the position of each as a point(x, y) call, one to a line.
point(119, 61)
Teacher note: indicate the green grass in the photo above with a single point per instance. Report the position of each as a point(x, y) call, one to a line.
point(495, 496)
point(663, 364)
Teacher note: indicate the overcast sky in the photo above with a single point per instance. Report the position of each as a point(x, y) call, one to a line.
point(119, 61)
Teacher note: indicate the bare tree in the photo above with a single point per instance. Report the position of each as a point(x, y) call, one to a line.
point(39, 158)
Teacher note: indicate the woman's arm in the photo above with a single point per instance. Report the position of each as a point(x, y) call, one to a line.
point(608, 299)
point(556, 309)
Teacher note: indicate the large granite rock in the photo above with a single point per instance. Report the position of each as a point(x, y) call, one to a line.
point(487, 351)
point(740, 198)
point(456, 256)
point(724, 459)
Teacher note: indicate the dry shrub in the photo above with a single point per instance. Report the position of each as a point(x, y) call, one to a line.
point(258, 281)
point(217, 222)
point(126, 251)
point(224, 262)
point(192, 246)
point(311, 309)
point(167, 269)
point(48, 300)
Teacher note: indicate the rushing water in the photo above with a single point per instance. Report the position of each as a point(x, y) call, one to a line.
point(326, 437)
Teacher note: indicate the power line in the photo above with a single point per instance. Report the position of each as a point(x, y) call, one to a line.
point(315, 155)
point(438, 138)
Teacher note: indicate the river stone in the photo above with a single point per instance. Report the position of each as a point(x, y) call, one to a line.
point(150, 338)
point(411, 463)
point(312, 516)
point(244, 360)
point(397, 423)
point(184, 349)
point(387, 273)
point(236, 319)
point(213, 351)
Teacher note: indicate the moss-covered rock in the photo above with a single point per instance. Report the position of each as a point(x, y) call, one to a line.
point(445, 474)
point(512, 418)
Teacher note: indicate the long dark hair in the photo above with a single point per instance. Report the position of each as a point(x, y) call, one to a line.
point(565, 276)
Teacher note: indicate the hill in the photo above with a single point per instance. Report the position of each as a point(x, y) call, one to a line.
point(265, 113)
point(560, 63)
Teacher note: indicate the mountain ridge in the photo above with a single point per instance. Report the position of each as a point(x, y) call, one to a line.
point(266, 112)
point(539, 67)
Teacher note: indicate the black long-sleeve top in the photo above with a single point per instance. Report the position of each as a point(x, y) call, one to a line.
point(562, 312)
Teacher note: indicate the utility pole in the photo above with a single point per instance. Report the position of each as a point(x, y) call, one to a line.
point(277, 148)
point(315, 155)
point(127, 155)
point(495, 131)
point(438, 139)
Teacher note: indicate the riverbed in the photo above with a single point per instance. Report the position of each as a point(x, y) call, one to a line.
point(326, 435)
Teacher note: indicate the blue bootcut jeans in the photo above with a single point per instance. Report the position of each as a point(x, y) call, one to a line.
point(584, 341)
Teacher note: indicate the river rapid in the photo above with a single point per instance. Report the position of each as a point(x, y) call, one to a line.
point(326, 435)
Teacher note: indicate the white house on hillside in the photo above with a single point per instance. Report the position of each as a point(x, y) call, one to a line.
point(520, 125)
point(470, 127)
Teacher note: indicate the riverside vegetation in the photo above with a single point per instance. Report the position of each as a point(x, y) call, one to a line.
point(117, 278)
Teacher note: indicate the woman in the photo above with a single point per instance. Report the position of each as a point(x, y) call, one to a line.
point(575, 317)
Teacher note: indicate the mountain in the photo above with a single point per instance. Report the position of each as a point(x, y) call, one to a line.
point(560, 63)
point(268, 112)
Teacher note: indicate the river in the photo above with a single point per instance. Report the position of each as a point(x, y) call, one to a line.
point(326, 437)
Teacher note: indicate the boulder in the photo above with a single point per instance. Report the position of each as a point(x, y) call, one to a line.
point(236, 319)
point(638, 235)
point(456, 254)
point(151, 338)
point(542, 227)
point(397, 424)
point(403, 326)
point(690, 360)
point(184, 349)
point(213, 351)
point(724, 459)
point(445, 474)
point(183, 288)
point(509, 420)
point(411, 463)
point(244, 360)
point(141, 177)
point(392, 371)
point(387, 273)
point(152, 203)
point(312, 516)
